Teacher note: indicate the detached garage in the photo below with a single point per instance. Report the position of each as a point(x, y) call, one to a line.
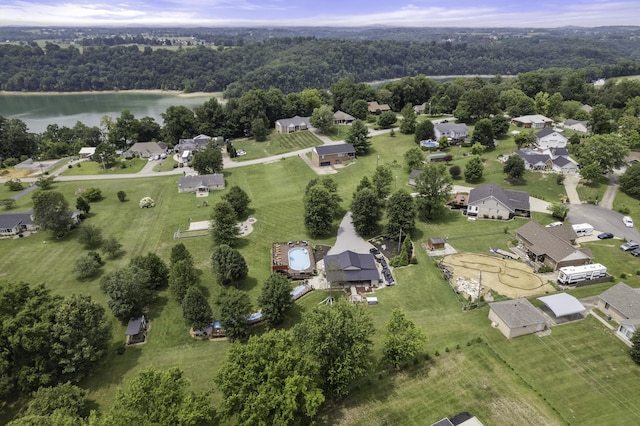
point(564, 306)
point(516, 317)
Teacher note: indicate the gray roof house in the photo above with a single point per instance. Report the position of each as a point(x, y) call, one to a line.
point(201, 183)
point(516, 317)
point(147, 149)
point(492, 201)
point(550, 138)
point(330, 155)
point(577, 125)
point(552, 246)
point(534, 121)
point(14, 223)
point(350, 268)
point(454, 131)
point(197, 143)
point(621, 302)
point(340, 117)
point(293, 124)
point(564, 165)
point(534, 160)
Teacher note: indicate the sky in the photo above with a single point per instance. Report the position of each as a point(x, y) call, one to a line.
point(342, 13)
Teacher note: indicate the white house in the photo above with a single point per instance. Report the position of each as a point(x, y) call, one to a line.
point(293, 124)
point(453, 131)
point(201, 183)
point(14, 223)
point(492, 201)
point(577, 125)
point(550, 138)
point(535, 121)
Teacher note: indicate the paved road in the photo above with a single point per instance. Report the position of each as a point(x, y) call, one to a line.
point(603, 220)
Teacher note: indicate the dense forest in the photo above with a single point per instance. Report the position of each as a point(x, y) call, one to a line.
point(294, 63)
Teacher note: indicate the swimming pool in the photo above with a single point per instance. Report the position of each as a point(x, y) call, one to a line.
point(299, 259)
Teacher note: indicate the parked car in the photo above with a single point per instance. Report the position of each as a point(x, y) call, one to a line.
point(605, 236)
point(553, 224)
point(628, 222)
point(631, 245)
point(636, 252)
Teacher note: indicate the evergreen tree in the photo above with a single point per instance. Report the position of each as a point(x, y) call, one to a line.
point(195, 309)
point(358, 137)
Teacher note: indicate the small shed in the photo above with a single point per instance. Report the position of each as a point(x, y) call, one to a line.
point(516, 317)
point(564, 305)
point(136, 330)
point(436, 244)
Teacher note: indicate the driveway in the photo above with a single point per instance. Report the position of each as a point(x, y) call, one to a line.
point(603, 220)
point(348, 238)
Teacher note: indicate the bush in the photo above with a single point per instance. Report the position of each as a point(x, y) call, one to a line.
point(14, 185)
point(10, 162)
point(122, 196)
point(147, 202)
point(560, 179)
point(92, 194)
point(623, 275)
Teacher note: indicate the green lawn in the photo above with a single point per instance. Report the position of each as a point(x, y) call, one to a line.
point(339, 133)
point(501, 381)
point(275, 144)
point(593, 191)
point(165, 165)
point(84, 168)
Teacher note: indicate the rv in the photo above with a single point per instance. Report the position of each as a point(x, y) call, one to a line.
point(583, 229)
point(186, 156)
point(575, 274)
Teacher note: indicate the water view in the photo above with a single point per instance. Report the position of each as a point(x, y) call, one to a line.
point(40, 110)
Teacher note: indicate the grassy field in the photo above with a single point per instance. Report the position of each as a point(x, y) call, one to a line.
point(503, 382)
point(339, 133)
point(593, 191)
point(84, 168)
point(276, 144)
point(165, 165)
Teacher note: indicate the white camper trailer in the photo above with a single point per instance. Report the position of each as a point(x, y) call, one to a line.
point(583, 229)
point(575, 274)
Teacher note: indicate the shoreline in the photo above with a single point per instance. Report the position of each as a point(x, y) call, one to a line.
point(176, 93)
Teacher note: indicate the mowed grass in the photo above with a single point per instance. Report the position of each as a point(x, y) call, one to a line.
point(275, 144)
point(501, 381)
point(84, 168)
point(594, 191)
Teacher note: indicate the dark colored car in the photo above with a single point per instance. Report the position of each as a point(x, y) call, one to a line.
point(605, 235)
point(636, 252)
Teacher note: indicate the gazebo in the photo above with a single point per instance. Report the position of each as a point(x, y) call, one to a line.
point(564, 306)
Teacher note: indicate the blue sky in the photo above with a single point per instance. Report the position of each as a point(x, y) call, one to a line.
point(420, 13)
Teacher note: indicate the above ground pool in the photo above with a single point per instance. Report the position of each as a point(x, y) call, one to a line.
point(299, 259)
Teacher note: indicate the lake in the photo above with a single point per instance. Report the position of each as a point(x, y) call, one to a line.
point(39, 110)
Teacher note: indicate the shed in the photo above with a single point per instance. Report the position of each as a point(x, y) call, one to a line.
point(516, 317)
point(136, 330)
point(563, 305)
point(436, 244)
point(371, 300)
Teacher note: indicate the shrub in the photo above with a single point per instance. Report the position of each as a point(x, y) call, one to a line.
point(623, 275)
point(122, 196)
point(14, 185)
point(92, 194)
point(559, 179)
point(10, 162)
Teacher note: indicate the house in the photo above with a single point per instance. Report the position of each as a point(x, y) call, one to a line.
point(564, 165)
point(87, 152)
point(455, 132)
point(136, 330)
point(492, 201)
point(577, 125)
point(201, 183)
point(535, 121)
point(420, 109)
point(146, 149)
point(552, 246)
point(599, 82)
point(534, 160)
point(351, 268)
point(340, 117)
point(586, 108)
point(557, 159)
point(627, 328)
point(516, 317)
point(461, 419)
point(195, 144)
point(620, 302)
point(550, 138)
point(330, 155)
point(436, 244)
point(376, 108)
point(294, 124)
point(15, 223)
point(415, 173)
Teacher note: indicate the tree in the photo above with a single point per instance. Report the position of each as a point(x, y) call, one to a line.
point(403, 340)
point(600, 120)
point(90, 236)
point(92, 194)
point(591, 172)
point(259, 130)
point(65, 397)
point(401, 213)
point(434, 188)
point(318, 211)
point(80, 335)
point(337, 337)
point(8, 203)
point(105, 153)
point(180, 252)
point(360, 109)
point(14, 185)
point(634, 352)
point(358, 137)
point(629, 181)
point(524, 139)
point(147, 203)
point(514, 167)
point(224, 225)
point(86, 267)
point(207, 161)
point(500, 125)
point(83, 205)
point(45, 182)
point(483, 133)
point(455, 171)
point(154, 268)
point(127, 292)
point(228, 265)
point(365, 211)
point(239, 201)
point(408, 123)
point(414, 158)
point(111, 247)
point(182, 276)
point(179, 123)
point(275, 299)
point(234, 308)
point(322, 118)
point(159, 397)
point(195, 309)
point(122, 196)
point(558, 211)
point(382, 180)
point(424, 131)
point(608, 151)
point(387, 119)
point(269, 380)
point(474, 169)
point(51, 211)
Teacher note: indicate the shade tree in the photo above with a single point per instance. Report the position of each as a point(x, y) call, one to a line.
point(434, 188)
point(359, 137)
point(474, 169)
point(234, 308)
point(51, 211)
point(128, 294)
point(275, 299)
point(224, 225)
point(182, 276)
point(401, 214)
point(239, 201)
point(514, 167)
point(196, 310)
point(365, 211)
point(403, 341)
point(227, 265)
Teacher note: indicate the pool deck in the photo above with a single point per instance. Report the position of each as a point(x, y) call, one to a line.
point(280, 259)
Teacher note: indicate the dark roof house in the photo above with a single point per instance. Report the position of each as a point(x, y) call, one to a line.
point(293, 124)
point(349, 267)
point(15, 223)
point(136, 330)
point(552, 246)
point(516, 317)
point(201, 183)
point(329, 155)
point(621, 302)
point(490, 200)
point(340, 117)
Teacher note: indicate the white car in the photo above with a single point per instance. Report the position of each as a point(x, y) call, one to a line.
point(628, 222)
point(553, 224)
